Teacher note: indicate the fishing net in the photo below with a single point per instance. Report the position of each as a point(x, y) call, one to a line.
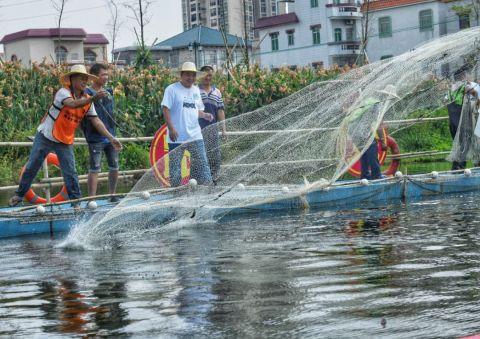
point(304, 142)
point(466, 145)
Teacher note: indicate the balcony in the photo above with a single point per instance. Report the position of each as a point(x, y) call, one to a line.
point(344, 11)
point(339, 48)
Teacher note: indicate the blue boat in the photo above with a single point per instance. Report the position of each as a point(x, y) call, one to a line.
point(16, 222)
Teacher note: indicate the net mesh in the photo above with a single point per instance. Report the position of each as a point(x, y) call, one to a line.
point(466, 145)
point(304, 142)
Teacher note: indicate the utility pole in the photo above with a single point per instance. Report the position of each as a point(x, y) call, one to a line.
point(246, 31)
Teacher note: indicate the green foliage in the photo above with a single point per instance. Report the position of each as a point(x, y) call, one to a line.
point(462, 10)
point(134, 156)
point(426, 136)
point(143, 58)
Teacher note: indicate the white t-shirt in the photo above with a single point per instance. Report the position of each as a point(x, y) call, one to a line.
point(46, 127)
point(184, 104)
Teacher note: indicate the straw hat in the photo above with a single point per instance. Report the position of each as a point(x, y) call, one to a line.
point(76, 69)
point(188, 67)
point(390, 90)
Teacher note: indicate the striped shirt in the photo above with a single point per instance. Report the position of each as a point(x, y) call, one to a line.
point(213, 102)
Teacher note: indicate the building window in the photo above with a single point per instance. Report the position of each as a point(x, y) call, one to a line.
point(90, 56)
point(194, 17)
point(316, 35)
point(274, 39)
point(338, 34)
point(385, 27)
point(61, 54)
point(263, 9)
point(213, 12)
point(313, 3)
point(426, 20)
point(349, 34)
point(291, 37)
point(464, 21)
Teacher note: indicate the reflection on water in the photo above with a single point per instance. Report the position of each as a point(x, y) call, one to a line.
point(394, 272)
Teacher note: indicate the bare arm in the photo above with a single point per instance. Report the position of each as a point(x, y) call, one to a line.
point(381, 136)
point(74, 103)
point(221, 119)
point(206, 116)
point(100, 127)
point(168, 119)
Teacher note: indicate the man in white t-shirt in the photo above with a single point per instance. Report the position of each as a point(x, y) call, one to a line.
point(182, 107)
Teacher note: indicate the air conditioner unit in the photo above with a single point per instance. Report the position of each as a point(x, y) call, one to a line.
point(348, 22)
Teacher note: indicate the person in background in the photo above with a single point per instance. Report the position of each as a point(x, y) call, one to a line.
point(369, 164)
point(182, 107)
point(98, 143)
point(460, 89)
point(212, 100)
point(361, 121)
point(56, 133)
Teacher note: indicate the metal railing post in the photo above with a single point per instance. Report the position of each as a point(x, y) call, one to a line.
point(45, 175)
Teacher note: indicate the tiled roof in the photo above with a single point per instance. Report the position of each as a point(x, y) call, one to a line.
point(384, 4)
point(96, 39)
point(276, 20)
point(135, 48)
point(44, 33)
point(201, 35)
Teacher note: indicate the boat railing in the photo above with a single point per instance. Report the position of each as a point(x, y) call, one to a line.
point(82, 141)
point(46, 183)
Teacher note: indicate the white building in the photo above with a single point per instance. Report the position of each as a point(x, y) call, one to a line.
point(326, 32)
point(53, 45)
point(399, 26)
point(229, 15)
point(319, 33)
point(232, 16)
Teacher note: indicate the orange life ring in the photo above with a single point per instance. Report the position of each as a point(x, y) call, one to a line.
point(33, 198)
point(394, 164)
point(394, 150)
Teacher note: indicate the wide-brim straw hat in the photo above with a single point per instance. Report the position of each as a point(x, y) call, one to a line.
point(188, 67)
point(390, 90)
point(76, 69)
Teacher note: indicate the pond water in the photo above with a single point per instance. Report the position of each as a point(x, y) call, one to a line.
point(400, 271)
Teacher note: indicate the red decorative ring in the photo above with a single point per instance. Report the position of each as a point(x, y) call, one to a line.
point(159, 159)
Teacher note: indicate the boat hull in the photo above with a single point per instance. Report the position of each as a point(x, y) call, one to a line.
point(348, 194)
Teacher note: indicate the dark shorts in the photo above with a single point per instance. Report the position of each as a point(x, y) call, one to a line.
point(96, 150)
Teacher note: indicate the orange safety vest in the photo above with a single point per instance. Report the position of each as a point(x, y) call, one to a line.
point(68, 119)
